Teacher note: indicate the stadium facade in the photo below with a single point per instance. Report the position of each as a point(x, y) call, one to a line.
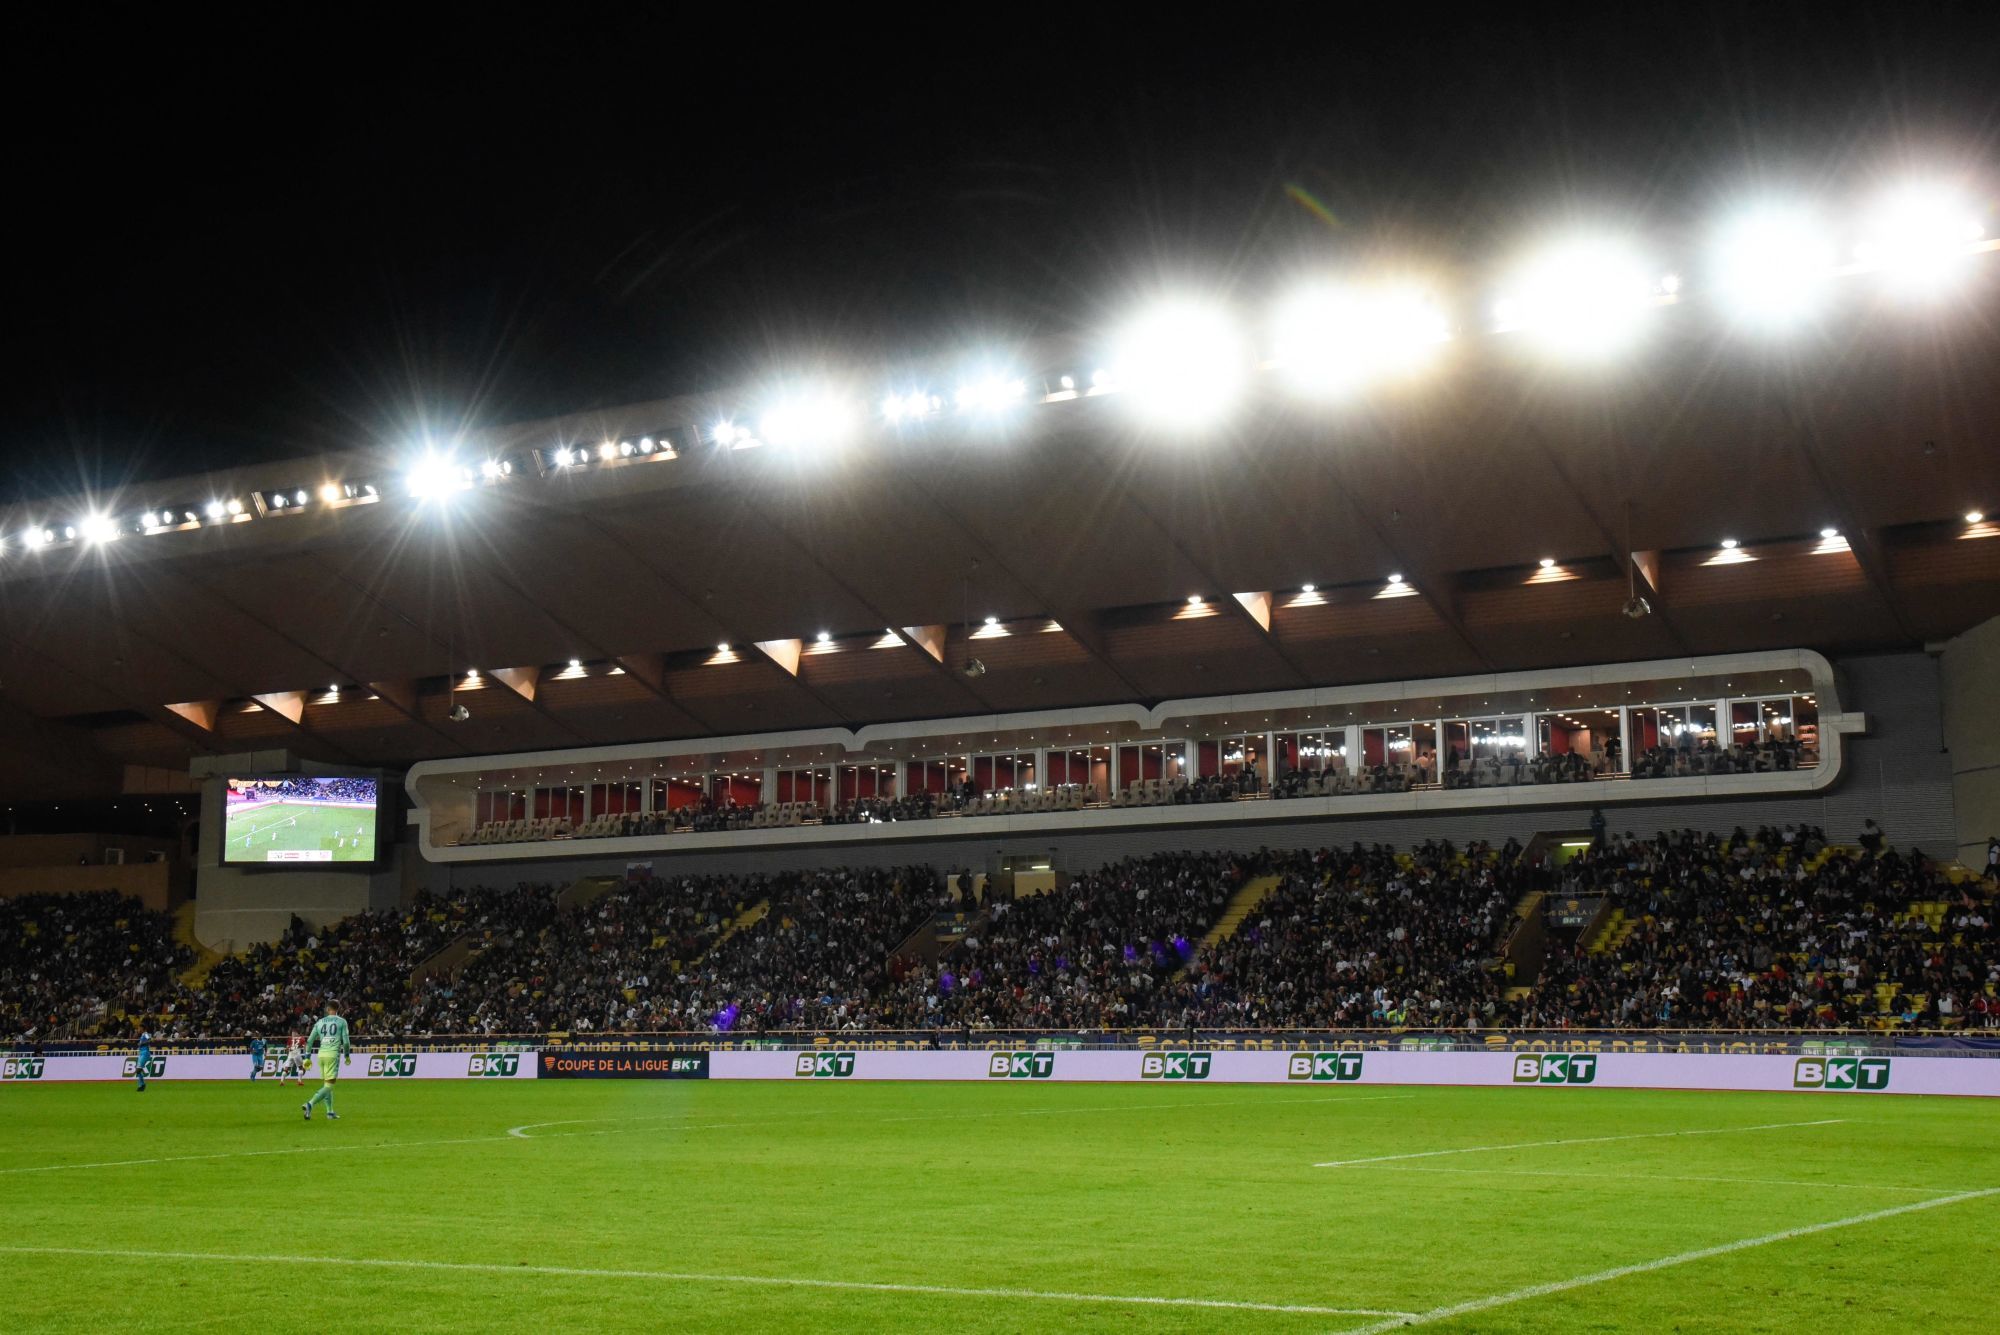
point(670, 591)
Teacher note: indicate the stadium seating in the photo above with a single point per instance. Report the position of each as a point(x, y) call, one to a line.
point(1767, 930)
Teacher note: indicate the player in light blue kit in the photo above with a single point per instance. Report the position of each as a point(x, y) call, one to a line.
point(145, 1055)
point(256, 1057)
point(330, 1037)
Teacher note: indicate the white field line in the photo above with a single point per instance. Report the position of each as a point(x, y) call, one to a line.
point(1437, 1314)
point(520, 1132)
point(266, 828)
point(253, 1154)
point(691, 1277)
point(1662, 1177)
point(1576, 1140)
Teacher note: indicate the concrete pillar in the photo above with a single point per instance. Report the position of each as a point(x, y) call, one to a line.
point(1970, 681)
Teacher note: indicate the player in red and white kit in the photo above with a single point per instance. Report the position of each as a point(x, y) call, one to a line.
point(294, 1068)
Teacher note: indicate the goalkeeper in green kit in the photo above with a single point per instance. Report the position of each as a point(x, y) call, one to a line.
point(329, 1037)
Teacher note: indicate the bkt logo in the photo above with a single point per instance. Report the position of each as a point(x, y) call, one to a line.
point(1841, 1073)
point(1175, 1065)
point(1021, 1066)
point(1575, 1068)
point(22, 1068)
point(501, 1064)
point(1323, 1066)
point(156, 1067)
point(824, 1065)
point(393, 1065)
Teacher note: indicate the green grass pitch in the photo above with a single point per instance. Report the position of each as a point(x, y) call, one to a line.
point(299, 826)
point(963, 1207)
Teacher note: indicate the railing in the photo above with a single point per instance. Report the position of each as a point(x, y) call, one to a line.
point(1960, 1042)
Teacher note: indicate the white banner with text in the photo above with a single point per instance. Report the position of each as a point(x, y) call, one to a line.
point(1653, 1070)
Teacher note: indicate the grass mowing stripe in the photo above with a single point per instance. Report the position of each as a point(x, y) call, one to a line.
point(1437, 1314)
point(1577, 1140)
point(688, 1277)
point(1662, 1177)
point(256, 1154)
point(520, 1132)
point(516, 1133)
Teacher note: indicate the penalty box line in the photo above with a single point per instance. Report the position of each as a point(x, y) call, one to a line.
point(1521, 1295)
point(693, 1277)
point(1575, 1140)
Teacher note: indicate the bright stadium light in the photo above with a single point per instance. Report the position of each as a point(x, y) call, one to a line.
point(1774, 266)
point(990, 393)
point(1181, 363)
point(213, 510)
point(911, 407)
point(490, 469)
point(1918, 237)
point(1331, 338)
point(329, 492)
point(814, 418)
point(1582, 297)
point(432, 478)
point(97, 528)
point(38, 537)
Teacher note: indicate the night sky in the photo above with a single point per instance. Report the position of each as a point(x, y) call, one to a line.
point(231, 243)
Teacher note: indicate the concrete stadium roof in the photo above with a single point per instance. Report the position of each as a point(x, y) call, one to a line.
point(1083, 535)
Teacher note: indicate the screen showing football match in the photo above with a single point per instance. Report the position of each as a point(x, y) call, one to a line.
point(292, 818)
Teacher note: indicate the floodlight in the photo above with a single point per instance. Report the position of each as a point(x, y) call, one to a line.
point(1974, 517)
point(990, 393)
point(1548, 563)
point(1774, 266)
point(822, 638)
point(1729, 544)
point(213, 510)
point(1194, 600)
point(490, 469)
point(235, 505)
point(329, 493)
point(607, 451)
point(1395, 579)
point(1181, 363)
point(432, 477)
point(1329, 337)
point(98, 528)
point(811, 418)
point(299, 499)
point(1308, 588)
point(1918, 237)
point(1583, 297)
point(37, 538)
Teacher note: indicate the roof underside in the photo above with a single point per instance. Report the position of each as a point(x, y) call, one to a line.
point(1084, 537)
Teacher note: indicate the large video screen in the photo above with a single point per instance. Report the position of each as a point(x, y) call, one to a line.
point(291, 818)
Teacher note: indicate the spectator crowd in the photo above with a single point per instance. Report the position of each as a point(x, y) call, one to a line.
point(1753, 931)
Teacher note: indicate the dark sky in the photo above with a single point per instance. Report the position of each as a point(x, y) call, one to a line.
point(237, 242)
